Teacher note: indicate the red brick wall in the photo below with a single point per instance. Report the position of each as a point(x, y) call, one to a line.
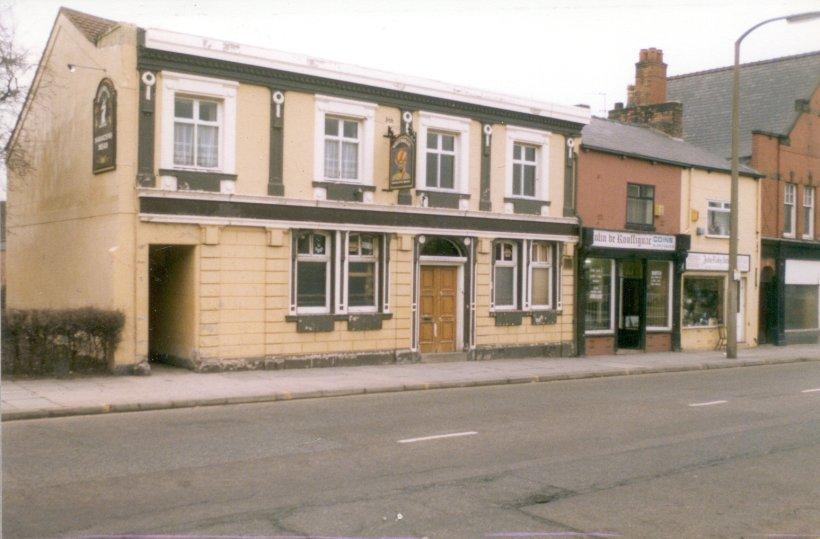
point(658, 342)
point(600, 345)
point(602, 180)
point(795, 160)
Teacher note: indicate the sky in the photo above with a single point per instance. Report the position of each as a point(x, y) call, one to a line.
point(562, 51)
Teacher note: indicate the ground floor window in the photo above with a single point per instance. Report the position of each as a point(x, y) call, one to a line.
point(347, 266)
point(802, 306)
point(702, 301)
point(659, 294)
point(599, 302)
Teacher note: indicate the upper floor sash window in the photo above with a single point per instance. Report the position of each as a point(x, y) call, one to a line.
point(443, 164)
point(341, 148)
point(441, 160)
point(527, 167)
point(196, 132)
point(344, 140)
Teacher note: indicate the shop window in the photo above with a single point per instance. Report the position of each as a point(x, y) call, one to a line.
point(719, 218)
point(505, 275)
point(789, 197)
point(640, 204)
point(341, 148)
point(599, 297)
point(540, 275)
point(802, 306)
point(808, 212)
point(659, 295)
point(313, 272)
point(362, 273)
point(702, 301)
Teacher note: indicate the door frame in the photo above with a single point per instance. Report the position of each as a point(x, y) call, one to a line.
point(457, 262)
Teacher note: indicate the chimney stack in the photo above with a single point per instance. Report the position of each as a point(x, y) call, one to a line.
point(650, 79)
point(646, 99)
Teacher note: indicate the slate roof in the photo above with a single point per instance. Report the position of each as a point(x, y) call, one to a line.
point(768, 90)
point(646, 143)
point(92, 27)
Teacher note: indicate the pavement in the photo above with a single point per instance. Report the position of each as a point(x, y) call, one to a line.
point(705, 453)
point(176, 388)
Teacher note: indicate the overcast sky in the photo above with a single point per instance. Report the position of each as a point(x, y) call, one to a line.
point(569, 52)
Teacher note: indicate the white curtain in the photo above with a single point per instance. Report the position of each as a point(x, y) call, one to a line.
point(183, 144)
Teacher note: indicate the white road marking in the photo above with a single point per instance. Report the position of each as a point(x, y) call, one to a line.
point(437, 436)
point(816, 389)
point(710, 403)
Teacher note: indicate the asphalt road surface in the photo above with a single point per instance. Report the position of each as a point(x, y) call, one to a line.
point(728, 453)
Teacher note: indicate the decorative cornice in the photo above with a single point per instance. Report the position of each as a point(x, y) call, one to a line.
point(159, 60)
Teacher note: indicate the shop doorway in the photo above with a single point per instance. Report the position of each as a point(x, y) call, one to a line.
point(631, 312)
point(172, 304)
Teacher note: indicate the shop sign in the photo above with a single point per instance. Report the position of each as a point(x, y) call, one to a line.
point(632, 240)
point(105, 128)
point(714, 262)
point(402, 160)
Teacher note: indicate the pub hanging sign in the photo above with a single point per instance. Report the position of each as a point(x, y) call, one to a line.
point(105, 128)
point(402, 159)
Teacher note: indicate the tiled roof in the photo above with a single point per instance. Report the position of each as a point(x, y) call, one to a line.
point(92, 27)
point(646, 143)
point(768, 91)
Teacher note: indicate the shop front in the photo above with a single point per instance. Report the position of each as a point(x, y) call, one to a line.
point(704, 301)
point(790, 292)
point(629, 291)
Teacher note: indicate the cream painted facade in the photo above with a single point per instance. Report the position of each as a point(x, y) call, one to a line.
point(699, 188)
point(203, 260)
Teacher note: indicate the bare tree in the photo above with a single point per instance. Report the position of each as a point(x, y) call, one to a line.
point(14, 67)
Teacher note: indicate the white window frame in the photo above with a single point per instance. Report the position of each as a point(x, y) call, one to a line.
point(539, 139)
point(440, 151)
point(533, 264)
point(668, 326)
point(327, 259)
point(371, 259)
point(611, 329)
point(365, 114)
point(192, 86)
point(790, 188)
point(724, 207)
point(506, 264)
point(451, 125)
point(809, 230)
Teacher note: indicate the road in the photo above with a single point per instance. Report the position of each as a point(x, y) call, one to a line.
point(727, 453)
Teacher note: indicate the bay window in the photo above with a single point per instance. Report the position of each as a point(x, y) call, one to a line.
point(505, 275)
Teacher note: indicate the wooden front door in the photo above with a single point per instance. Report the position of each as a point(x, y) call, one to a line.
point(437, 330)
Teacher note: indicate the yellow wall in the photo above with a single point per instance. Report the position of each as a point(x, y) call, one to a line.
point(697, 188)
point(70, 232)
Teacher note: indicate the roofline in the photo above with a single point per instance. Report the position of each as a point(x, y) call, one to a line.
point(758, 62)
point(205, 47)
point(681, 164)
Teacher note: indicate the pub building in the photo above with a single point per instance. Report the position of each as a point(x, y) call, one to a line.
point(652, 259)
point(249, 208)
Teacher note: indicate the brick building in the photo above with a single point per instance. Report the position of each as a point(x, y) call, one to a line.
point(248, 208)
point(780, 137)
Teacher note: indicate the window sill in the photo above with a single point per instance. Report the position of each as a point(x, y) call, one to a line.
point(353, 183)
point(527, 205)
point(319, 323)
point(788, 236)
point(600, 333)
point(640, 226)
point(197, 180)
point(717, 236)
point(345, 191)
point(515, 317)
point(441, 198)
point(712, 326)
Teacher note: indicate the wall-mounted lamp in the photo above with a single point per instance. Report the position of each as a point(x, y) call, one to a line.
point(74, 67)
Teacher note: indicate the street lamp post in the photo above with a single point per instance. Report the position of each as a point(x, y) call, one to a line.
point(734, 279)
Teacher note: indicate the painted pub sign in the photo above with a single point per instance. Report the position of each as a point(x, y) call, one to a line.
point(105, 128)
point(402, 160)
